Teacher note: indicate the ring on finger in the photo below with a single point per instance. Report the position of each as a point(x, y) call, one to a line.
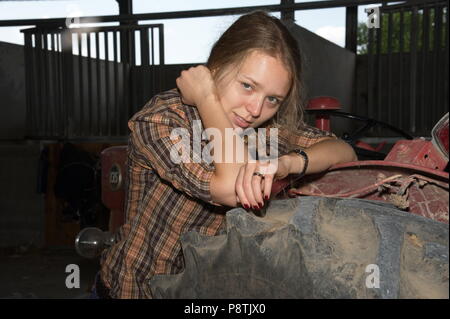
point(259, 174)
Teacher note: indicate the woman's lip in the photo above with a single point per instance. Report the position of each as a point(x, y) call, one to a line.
point(239, 121)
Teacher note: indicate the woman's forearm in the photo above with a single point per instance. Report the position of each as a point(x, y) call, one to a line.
point(213, 116)
point(322, 156)
point(224, 178)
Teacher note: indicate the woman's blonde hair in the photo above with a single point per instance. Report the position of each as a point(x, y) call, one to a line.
point(262, 32)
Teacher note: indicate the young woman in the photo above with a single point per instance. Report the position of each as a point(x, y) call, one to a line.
point(251, 80)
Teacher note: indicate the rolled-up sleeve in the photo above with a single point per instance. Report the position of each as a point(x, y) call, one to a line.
point(151, 144)
point(289, 139)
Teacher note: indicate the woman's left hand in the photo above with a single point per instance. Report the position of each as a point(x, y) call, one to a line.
point(251, 189)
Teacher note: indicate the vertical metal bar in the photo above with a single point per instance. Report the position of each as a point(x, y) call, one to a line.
point(81, 89)
point(47, 66)
point(446, 66)
point(36, 84)
point(123, 100)
point(124, 45)
point(287, 15)
point(153, 60)
point(132, 75)
point(33, 84)
point(60, 88)
point(28, 82)
point(425, 73)
point(98, 102)
point(145, 61)
point(400, 71)
point(433, 68)
point(67, 68)
point(438, 67)
point(413, 68)
point(152, 46)
point(161, 45)
point(54, 85)
point(38, 51)
point(389, 68)
point(132, 45)
point(351, 44)
point(133, 68)
point(68, 79)
point(370, 75)
point(144, 47)
point(107, 82)
point(127, 79)
point(379, 104)
point(116, 79)
point(351, 28)
point(45, 79)
point(90, 112)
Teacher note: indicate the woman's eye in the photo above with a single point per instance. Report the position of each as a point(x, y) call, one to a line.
point(273, 100)
point(246, 86)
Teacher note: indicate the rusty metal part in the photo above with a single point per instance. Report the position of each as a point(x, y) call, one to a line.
point(415, 189)
point(418, 152)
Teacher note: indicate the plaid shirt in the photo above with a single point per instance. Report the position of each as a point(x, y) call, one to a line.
point(165, 199)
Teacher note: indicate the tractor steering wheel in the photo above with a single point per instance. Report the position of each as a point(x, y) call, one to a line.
point(352, 138)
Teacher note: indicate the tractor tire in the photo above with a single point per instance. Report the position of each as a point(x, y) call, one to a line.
point(314, 247)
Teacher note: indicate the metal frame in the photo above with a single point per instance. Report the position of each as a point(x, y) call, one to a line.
point(199, 13)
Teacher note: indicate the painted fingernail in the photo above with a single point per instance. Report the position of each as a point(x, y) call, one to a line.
point(246, 206)
point(255, 207)
point(261, 206)
point(266, 197)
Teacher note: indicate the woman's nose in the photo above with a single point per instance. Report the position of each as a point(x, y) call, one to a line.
point(254, 106)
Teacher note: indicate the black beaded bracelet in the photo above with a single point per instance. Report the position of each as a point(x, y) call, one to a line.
point(303, 154)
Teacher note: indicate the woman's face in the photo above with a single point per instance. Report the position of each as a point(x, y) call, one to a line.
point(253, 94)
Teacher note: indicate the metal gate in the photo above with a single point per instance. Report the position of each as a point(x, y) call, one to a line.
point(78, 79)
point(407, 73)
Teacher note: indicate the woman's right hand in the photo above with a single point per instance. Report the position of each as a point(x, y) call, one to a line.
point(196, 85)
point(252, 190)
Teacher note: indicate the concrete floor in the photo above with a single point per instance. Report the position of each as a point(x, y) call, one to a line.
point(41, 274)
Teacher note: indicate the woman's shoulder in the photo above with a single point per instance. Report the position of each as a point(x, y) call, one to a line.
point(163, 101)
point(165, 105)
